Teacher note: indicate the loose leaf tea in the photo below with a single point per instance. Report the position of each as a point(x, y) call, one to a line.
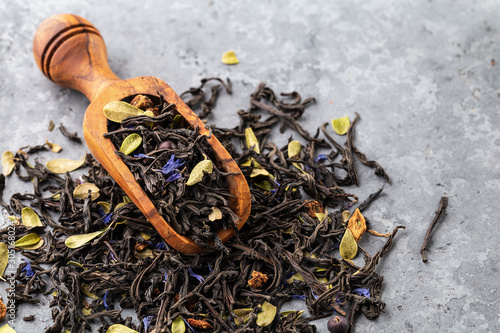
point(8, 162)
point(443, 204)
point(101, 255)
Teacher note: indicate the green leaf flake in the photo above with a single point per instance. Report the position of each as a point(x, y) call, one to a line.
point(294, 148)
point(216, 214)
point(30, 218)
point(295, 277)
point(84, 288)
point(4, 257)
point(251, 140)
point(63, 165)
point(341, 125)
point(82, 190)
point(229, 58)
point(106, 206)
point(35, 246)
point(199, 169)
point(131, 143)
point(8, 162)
point(118, 328)
point(76, 241)
point(28, 240)
point(117, 111)
point(178, 325)
point(242, 316)
point(348, 246)
point(266, 316)
point(76, 264)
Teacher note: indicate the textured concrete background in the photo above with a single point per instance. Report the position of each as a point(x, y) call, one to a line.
point(420, 75)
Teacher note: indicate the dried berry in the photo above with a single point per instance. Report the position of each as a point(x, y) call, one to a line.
point(338, 324)
point(167, 145)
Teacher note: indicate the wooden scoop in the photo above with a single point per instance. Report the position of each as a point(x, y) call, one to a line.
point(71, 52)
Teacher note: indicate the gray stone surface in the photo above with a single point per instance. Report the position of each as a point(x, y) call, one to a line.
point(420, 75)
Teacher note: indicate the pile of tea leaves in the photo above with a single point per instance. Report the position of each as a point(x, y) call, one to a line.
point(88, 248)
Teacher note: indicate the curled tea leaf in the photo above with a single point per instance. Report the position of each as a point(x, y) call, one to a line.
point(4, 257)
point(52, 146)
point(266, 316)
point(28, 240)
point(82, 190)
point(251, 140)
point(216, 214)
point(357, 224)
point(178, 325)
point(30, 218)
point(341, 125)
point(348, 246)
point(229, 58)
point(8, 162)
point(117, 111)
point(131, 143)
point(294, 148)
point(119, 328)
point(76, 241)
point(199, 169)
point(63, 165)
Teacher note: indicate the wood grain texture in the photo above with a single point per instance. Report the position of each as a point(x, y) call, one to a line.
point(70, 51)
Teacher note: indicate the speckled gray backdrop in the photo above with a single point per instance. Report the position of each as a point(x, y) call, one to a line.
point(420, 74)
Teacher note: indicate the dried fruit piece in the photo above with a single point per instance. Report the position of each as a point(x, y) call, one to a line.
point(82, 190)
point(201, 324)
point(348, 246)
point(229, 58)
point(117, 111)
point(258, 280)
point(3, 310)
point(8, 162)
point(63, 165)
point(142, 102)
point(266, 316)
point(198, 171)
point(357, 224)
point(131, 143)
point(338, 324)
point(30, 218)
point(314, 208)
point(341, 125)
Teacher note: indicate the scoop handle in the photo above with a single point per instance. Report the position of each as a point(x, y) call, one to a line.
point(71, 52)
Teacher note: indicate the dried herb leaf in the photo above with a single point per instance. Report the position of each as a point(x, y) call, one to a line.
point(294, 148)
point(146, 253)
point(106, 206)
point(216, 214)
point(117, 111)
point(35, 246)
point(295, 277)
point(178, 325)
point(341, 125)
point(131, 143)
point(82, 190)
point(76, 241)
point(4, 257)
point(63, 165)
point(251, 140)
point(88, 312)
point(357, 225)
point(28, 240)
point(264, 185)
point(229, 58)
point(52, 146)
point(242, 316)
point(76, 264)
point(30, 218)
point(51, 126)
point(348, 246)
point(118, 328)
point(346, 215)
point(7, 329)
point(7, 162)
point(266, 316)
point(84, 287)
point(199, 169)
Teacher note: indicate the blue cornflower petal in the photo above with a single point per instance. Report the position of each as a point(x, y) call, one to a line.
point(146, 321)
point(171, 165)
point(161, 246)
point(112, 256)
point(209, 268)
point(301, 297)
point(320, 158)
point(27, 269)
point(193, 274)
point(314, 295)
point(104, 301)
point(107, 218)
point(165, 277)
point(101, 212)
point(142, 155)
point(174, 176)
point(362, 292)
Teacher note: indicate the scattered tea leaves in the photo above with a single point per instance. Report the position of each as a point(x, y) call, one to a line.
point(357, 224)
point(178, 325)
point(117, 111)
point(348, 246)
point(30, 218)
point(52, 146)
point(63, 165)
point(82, 190)
point(4, 257)
point(229, 58)
point(341, 125)
point(266, 316)
point(76, 241)
point(118, 328)
point(216, 214)
point(8, 162)
point(198, 171)
point(131, 143)
point(28, 240)
point(251, 140)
